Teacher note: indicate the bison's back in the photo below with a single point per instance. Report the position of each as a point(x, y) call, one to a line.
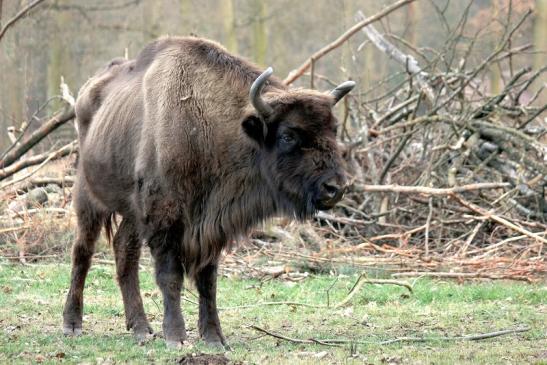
point(167, 115)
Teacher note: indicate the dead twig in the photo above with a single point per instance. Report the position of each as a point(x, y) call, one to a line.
point(14, 229)
point(356, 287)
point(459, 275)
point(407, 61)
point(338, 342)
point(18, 16)
point(295, 74)
point(65, 181)
point(362, 280)
point(37, 159)
point(425, 190)
point(294, 340)
point(50, 156)
point(27, 143)
point(262, 304)
point(497, 219)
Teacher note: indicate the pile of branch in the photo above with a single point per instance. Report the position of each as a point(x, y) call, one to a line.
point(14, 160)
point(34, 193)
point(448, 178)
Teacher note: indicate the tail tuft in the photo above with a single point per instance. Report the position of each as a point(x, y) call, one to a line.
point(109, 224)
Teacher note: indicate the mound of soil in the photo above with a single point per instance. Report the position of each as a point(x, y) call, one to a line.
point(204, 359)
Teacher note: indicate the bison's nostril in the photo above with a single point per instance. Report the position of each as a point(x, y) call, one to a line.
point(330, 193)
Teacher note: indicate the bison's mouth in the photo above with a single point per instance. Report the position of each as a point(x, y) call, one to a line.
point(305, 204)
point(327, 204)
point(327, 196)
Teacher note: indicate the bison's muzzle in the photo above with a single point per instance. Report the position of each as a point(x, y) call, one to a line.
point(329, 193)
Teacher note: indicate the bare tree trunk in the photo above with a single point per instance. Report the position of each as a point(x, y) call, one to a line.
point(188, 20)
point(54, 67)
point(412, 16)
point(59, 60)
point(349, 10)
point(259, 32)
point(540, 35)
point(150, 15)
point(229, 22)
point(15, 93)
point(495, 73)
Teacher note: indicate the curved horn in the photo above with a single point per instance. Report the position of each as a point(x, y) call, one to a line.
point(256, 89)
point(341, 90)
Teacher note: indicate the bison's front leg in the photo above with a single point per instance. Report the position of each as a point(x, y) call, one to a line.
point(169, 276)
point(209, 323)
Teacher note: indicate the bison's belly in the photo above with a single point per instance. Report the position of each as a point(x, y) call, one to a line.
point(112, 187)
point(108, 167)
point(109, 147)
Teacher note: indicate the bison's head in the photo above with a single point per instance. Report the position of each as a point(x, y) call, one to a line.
point(298, 155)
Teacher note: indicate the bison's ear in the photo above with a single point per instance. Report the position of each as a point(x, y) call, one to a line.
point(255, 128)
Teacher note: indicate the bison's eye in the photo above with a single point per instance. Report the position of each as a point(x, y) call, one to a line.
point(287, 140)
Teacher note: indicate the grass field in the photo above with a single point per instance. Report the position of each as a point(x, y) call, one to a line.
point(31, 299)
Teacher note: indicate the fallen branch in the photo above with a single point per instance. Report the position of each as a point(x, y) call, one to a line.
point(459, 275)
point(29, 174)
point(14, 229)
point(425, 190)
point(338, 342)
point(497, 219)
point(356, 287)
point(363, 280)
point(263, 304)
point(294, 340)
point(37, 159)
point(67, 181)
point(343, 220)
point(28, 212)
point(295, 74)
point(30, 257)
point(425, 120)
point(298, 304)
point(27, 143)
point(477, 337)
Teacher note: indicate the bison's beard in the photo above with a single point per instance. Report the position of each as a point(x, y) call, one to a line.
point(299, 206)
point(293, 198)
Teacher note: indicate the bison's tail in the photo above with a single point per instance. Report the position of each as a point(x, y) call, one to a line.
point(109, 224)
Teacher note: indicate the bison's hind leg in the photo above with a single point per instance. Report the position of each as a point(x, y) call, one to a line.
point(127, 250)
point(90, 221)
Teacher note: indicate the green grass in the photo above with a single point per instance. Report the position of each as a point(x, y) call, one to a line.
point(31, 299)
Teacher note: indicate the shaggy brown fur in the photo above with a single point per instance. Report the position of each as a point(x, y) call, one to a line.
point(171, 142)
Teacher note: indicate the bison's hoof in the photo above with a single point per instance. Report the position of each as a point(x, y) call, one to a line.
point(218, 345)
point(175, 337)
point(215, 340)
point(72, 330)
point(142, 332)
point(143, 337)
point(174, 344)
